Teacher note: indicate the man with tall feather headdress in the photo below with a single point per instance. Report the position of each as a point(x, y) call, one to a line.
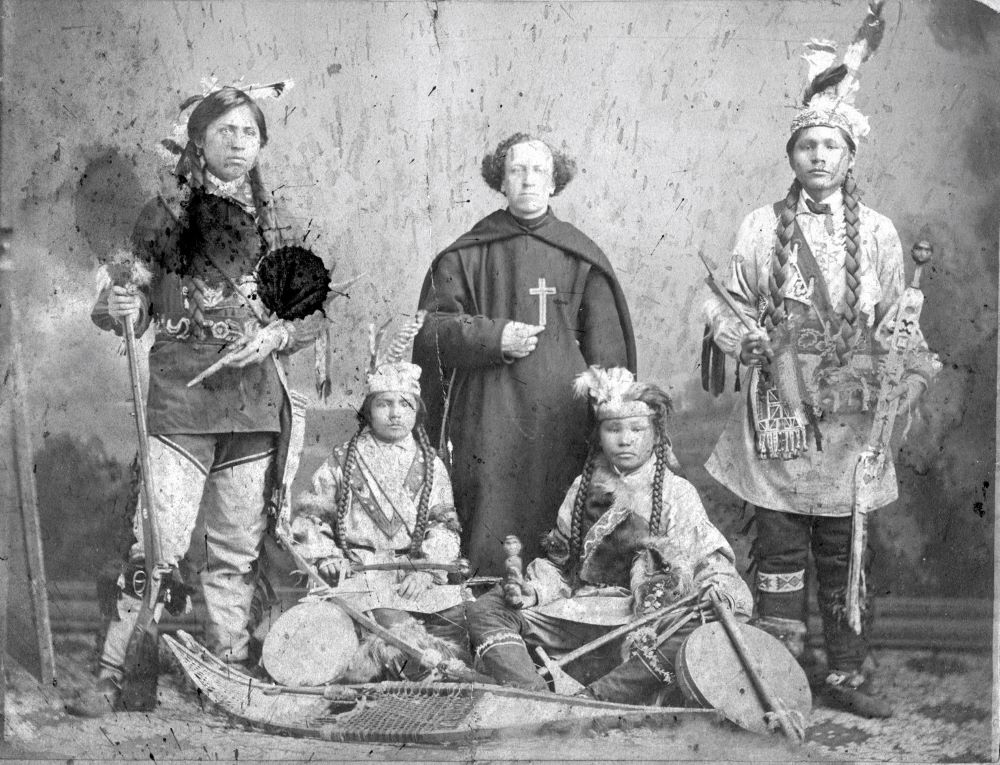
point(818, 271)
point(192, 275)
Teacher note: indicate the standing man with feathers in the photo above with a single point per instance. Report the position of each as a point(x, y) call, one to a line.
point(821, 273)
point(517, 307)
point(214, 447)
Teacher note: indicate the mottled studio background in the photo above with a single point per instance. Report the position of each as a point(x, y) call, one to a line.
point(677, 113)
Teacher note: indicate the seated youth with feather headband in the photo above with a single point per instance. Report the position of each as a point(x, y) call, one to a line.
point(384, 498)
point(631, 537)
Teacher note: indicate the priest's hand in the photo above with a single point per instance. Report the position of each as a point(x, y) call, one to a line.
point(519, 339)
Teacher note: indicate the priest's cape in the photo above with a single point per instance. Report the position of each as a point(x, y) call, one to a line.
point(518, 437)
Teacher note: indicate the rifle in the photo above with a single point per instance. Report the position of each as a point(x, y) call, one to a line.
point(141, 665)
point(871, 462)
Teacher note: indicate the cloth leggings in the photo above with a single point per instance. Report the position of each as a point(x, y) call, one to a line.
point(781, 552)
point(221, 480)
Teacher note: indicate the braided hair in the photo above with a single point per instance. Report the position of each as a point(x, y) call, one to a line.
point(657, 400)
point(580, 502)
point(423, 505)
point(344, 497)
point(350, 464)
point(775, 311)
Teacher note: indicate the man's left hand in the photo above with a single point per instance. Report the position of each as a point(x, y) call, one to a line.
point(273, 337)
point(908, 390)
point(415, 583)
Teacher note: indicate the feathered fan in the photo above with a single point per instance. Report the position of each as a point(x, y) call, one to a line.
point(292, 282)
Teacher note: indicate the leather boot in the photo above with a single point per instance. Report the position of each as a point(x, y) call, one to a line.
point(851, 692)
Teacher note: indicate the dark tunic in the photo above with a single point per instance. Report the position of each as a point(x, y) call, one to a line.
point(519, 438)
point(196, 313)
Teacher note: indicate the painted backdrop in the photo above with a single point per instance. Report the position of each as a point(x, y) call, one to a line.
point(677, 113)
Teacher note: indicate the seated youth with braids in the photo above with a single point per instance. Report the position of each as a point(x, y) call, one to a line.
point(631, 537)
point(384, 497)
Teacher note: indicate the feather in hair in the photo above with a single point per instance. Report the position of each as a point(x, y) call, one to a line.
point(868, 37)
point(820, 55)
point(828, 78)
point(271, 90)
point(403, 338)
point(374, 343)
point(586, 382)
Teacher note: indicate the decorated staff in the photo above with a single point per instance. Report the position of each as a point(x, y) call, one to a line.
point(213, 447)
point(900, 333)
point(822, 275)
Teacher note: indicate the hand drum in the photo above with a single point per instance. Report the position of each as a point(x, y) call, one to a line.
point(711, 674)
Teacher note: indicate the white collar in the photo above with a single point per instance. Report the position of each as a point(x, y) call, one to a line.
point(228, 188)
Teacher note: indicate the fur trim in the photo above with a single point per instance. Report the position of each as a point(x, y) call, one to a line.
point(312, 505)
point(124, 268)
point(445, 515)
point(376, 660)
point(668, 576)
point(556, 547)
point(440, 544)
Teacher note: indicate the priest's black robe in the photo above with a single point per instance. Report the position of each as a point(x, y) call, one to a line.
point(518, 435)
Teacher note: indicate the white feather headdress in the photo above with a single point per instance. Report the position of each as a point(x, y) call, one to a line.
point(829, 96)
point(387, 371)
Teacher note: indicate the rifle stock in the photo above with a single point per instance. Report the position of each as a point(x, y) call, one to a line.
point(142, 654)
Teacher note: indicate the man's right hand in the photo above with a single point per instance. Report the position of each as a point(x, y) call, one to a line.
point(123, 302)
point(755, 348)
point(519, 595)
point(519, 339)
point(330, 569)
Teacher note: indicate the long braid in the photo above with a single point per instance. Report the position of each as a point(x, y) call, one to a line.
point(344, 497)
point(579, 505)
point(661, 468)
point(267, 220)
point(775, 311)
point(423, 506)
point(852, 265)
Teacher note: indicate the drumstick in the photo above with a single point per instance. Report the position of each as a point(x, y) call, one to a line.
point(619, 631)
point(792, 728)
point(458, 566)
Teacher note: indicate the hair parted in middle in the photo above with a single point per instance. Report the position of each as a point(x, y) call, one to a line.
point(660, 407)
point(494, 164)
point(427, 453)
